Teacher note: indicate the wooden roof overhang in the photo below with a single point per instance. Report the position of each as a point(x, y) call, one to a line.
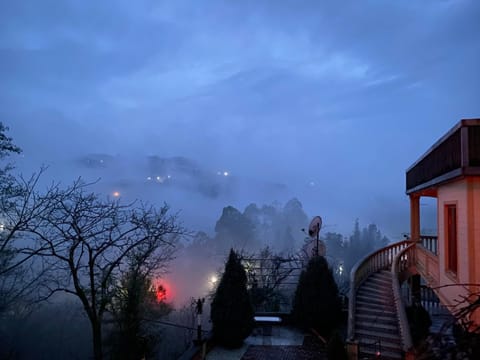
point(454, 156)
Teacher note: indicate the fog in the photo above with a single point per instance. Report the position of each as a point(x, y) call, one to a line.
point(227, 104)
point(200, 187)
point(341, 97)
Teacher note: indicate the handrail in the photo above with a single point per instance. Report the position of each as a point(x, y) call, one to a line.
point(402, 261)
point(377, 260)
point(429, 242)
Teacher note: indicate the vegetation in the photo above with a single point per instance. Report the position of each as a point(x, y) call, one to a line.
point(465, 331)
point(336, 348)
point(19, 275)
point(85, 242)
point(267, 271)
point(419, 321)
point(231, 310)
point(106, 255)
point(234, 229)
point(72, 241)
point(258, 227)
point(316, 303)
point(135, 307)
point(361, 243)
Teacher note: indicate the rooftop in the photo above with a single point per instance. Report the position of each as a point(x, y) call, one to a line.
point(455, 155)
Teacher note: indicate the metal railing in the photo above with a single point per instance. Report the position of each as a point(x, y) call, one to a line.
point(381, 259)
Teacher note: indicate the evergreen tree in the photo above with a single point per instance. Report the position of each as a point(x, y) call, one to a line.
point(363, 242)
point(335, 246)
point(234, 229)
point(294, 217)
point(7, 148)
point(232, 311)
point(316, 303)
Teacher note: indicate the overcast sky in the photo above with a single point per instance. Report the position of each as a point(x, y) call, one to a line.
point(346, 94)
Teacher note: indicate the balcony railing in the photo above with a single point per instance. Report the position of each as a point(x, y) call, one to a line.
point(430, 243)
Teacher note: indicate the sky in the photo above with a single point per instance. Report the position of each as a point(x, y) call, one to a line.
point(334, 99)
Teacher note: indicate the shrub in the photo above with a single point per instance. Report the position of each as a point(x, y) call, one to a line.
point(316, 303)
point(231, 310)
point(336, 348)
point(419, 321)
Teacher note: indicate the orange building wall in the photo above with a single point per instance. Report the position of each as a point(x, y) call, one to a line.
point(474, 221)
point(465, 194)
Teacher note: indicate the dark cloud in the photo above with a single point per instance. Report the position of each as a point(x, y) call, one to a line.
point(345, 95)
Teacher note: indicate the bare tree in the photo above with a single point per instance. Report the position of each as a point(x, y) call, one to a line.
point(84, 242)
point(465, 330)
point(18, 274)
point(268, 274)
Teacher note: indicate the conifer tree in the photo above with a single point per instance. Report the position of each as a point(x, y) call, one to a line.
point(232, 311)
point(316, 303)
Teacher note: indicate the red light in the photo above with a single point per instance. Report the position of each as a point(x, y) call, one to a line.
point(163, 291)
point(378, 353)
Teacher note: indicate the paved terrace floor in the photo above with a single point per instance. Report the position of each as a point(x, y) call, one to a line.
point(273, 343)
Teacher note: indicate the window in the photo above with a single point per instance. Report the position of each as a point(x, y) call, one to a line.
point(451, 237)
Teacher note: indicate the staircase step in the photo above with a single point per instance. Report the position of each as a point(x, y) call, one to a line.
point(368, 342)
point(377, 281)
point(385, 312)
point(378, 296)
point(376, 318)
point(374, 288)
point(363, 305)
point(377, 326)
point(381, 318)
point(383, 273)
point(373, 299)
point(377, 286)
point(383, 336)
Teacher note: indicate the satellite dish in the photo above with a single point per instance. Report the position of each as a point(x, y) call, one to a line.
point(315, 226)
